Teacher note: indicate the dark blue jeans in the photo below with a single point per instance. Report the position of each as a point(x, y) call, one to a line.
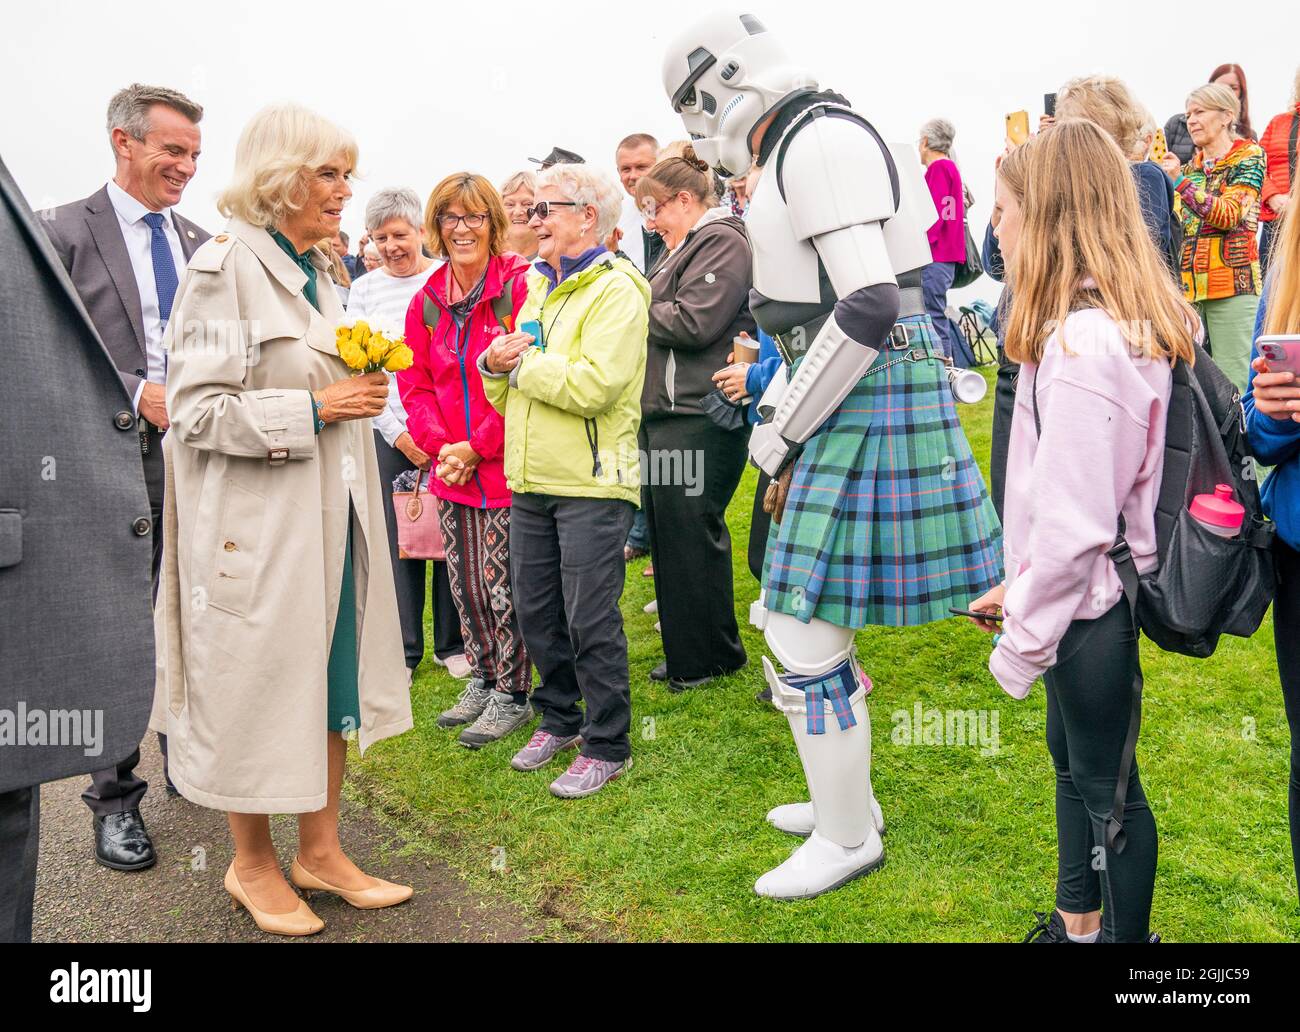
point(936, 281)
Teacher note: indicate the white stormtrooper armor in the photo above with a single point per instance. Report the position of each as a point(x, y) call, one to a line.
point(834, 211)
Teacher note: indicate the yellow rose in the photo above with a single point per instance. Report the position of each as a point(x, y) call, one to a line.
point(361, 332)
point(399, 358)
point(353, 355)
point(377, 349)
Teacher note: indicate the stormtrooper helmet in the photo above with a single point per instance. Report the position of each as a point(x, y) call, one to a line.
point(723, 75)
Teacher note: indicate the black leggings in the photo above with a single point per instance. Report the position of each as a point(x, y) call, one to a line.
point(1089, 698)
point(1286, 636)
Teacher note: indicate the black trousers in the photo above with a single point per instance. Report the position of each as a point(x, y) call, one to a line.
point(567, 572)
point(1286, 637)
point(119, 788)
point(409, 576)
point(689, 541)
point(1089, 698)
point(20, 821)
point(759, 525)
point(1004, 405)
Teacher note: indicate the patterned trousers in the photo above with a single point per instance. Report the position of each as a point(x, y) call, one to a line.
point(478, 566)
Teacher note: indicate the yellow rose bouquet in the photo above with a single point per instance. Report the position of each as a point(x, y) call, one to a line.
point(369, 351)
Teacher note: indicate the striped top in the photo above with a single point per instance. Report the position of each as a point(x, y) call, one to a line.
point(381, 299)
point(1218, 203)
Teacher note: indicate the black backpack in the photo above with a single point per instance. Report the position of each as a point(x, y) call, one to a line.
point(1203, 585)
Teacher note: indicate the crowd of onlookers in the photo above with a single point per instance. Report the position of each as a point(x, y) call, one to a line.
point(584, 375)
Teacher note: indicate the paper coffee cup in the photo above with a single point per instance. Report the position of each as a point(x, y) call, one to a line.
point(745, 349)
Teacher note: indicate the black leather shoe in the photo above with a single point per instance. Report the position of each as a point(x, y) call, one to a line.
point(122, 842)
point(660, 673)
point(681, 684)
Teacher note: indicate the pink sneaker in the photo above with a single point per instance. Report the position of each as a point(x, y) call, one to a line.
point(587, 775)
point(541, 749)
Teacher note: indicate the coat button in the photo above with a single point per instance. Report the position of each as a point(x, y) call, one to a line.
point(222, 238)
point(231, 547)
point(124, 420)
point(139, 372)
point(142, 526)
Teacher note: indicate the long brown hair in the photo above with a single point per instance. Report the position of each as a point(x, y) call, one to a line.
point(1081, 219)
point(1284, 293)
point(670, 176)
point(1243, 120)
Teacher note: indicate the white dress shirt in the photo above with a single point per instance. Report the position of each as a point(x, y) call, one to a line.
point(138, 237)
point(381, 299)
point(631, 223)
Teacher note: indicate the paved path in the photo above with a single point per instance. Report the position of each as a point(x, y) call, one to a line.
point(181, 898)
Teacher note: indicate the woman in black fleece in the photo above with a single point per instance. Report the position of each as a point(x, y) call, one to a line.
point(694, 440)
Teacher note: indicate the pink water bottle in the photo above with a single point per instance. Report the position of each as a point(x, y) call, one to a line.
point(1219, 513)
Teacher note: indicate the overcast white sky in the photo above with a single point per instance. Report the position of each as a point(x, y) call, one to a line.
point(431, 89)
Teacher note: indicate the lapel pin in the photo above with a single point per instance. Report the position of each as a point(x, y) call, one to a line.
point(190, 233)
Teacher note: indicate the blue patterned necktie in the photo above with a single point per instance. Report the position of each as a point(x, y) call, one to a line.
point(164, 266)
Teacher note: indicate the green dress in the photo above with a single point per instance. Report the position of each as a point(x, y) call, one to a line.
point(344, 707)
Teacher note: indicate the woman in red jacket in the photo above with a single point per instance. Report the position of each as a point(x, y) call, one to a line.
point(476, 295)
point(1279, 143)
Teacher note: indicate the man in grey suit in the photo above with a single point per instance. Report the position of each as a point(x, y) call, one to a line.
point(76, 631)
point(124, 247)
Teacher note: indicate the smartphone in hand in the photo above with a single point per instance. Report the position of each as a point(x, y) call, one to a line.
point(1281, 351)
point(1018, 127)
point(1049, 105)
point(1159, 146)
point(982, 617)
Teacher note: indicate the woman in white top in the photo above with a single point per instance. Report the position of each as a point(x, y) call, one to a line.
point(394, 220)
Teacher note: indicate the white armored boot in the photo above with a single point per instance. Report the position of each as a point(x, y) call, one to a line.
point(844, 842)
point(797, 818)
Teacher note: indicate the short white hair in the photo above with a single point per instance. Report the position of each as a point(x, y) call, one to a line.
point(395, 202)
point(588, 185)
point(277, 150)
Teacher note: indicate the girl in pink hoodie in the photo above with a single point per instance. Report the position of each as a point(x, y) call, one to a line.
point(1096, 322)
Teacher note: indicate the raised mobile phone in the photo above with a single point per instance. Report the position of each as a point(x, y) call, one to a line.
point(1049, 105)
point(1281, 351)
point(535, 328)
point(1018, 127)
point(1159, 146)
point(988, 617)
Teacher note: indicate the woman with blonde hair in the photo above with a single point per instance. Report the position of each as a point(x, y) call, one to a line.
point(517, 197)
point(1272, 405)
point(1096, 324)
point(276, 621)
point(1218, 202)
point(1107, 101)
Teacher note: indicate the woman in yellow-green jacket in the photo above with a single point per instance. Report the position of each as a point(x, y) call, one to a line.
point(569, 385)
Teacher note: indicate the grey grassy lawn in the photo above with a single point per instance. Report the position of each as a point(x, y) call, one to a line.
point(671, 851)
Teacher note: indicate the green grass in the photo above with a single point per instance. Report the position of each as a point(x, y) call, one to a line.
point(671, 851)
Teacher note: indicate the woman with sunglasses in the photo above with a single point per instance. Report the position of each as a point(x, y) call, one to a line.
point(467, 303)
point(569, 385)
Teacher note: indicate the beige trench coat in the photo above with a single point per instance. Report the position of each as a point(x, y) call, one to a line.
point(255, 519)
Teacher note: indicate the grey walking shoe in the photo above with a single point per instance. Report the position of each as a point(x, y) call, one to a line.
point(587, 775)
point(500, 717)
point(541, 749)
point(473, 700)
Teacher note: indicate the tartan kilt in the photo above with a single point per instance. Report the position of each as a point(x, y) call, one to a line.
point(888, 520)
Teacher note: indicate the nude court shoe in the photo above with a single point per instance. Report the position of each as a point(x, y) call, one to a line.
point(297, 922)
point(385, 894)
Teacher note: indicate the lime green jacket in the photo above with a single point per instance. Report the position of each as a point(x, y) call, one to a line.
point(572, 407)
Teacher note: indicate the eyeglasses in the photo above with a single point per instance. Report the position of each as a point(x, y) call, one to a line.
point(448, 221)
point(542, 209)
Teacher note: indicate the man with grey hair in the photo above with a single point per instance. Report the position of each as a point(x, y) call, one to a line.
point(125, 247)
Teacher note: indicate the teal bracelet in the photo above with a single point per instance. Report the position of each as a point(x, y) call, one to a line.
point(315, 415)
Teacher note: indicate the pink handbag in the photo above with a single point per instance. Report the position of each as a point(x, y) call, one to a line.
point(418, 533)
